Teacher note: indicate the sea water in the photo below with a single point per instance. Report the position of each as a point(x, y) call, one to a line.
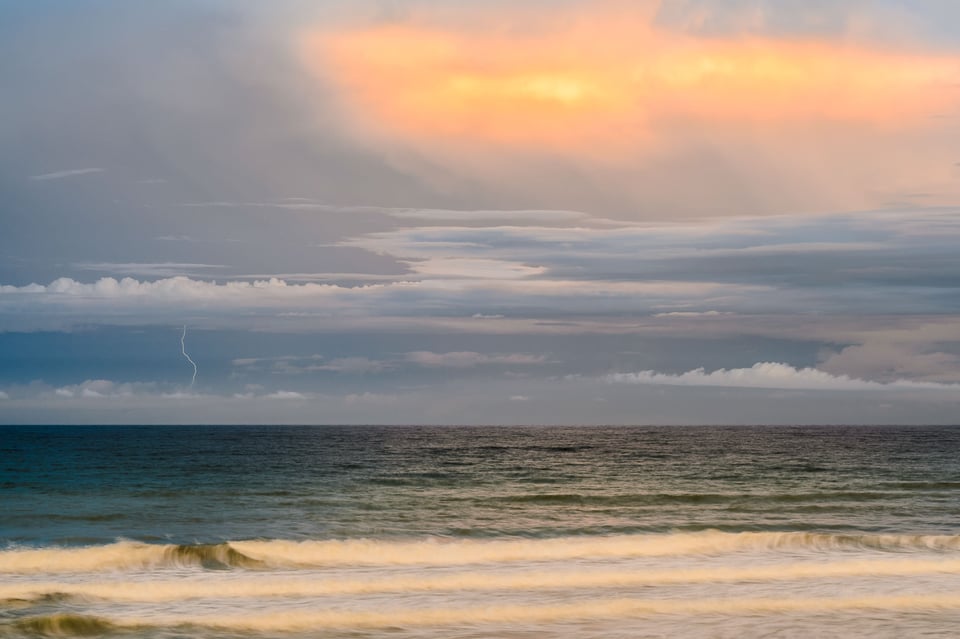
point(516, 532)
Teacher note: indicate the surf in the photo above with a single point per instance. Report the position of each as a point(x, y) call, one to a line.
point(444, 551)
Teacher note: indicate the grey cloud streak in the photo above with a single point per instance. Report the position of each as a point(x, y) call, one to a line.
point(59, 175)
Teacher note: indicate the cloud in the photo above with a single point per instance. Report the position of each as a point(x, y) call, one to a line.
point(254, 361)
point(350, 365)
point(432, 80)
point(469, 359)
point(507, 216)
point(473, 268)
point(924, 353)
point(3, 396)
point(541, 216)
point(171, 289)
point(176, 238)
point(877, 257)
point(569, 278)
point(285, 395)
point(692, 314)
point(299, 365)
point(104, 389)
point(773, 375)
point(65, 300)
point(58, 175)
point(558, 401)
point(157, 269)
point(373, 399)
point(768, 110)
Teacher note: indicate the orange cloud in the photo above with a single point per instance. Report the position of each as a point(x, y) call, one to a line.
point(613, 80)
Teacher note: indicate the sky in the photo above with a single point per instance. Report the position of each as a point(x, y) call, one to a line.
point(480, 212)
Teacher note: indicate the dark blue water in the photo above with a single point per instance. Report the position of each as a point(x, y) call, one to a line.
point(83, 485)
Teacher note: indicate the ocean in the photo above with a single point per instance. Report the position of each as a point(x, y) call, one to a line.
point(452, 532)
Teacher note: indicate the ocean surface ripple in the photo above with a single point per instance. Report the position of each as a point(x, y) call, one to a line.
point(479, 532)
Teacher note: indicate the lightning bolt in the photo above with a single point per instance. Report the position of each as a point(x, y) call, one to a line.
point(183, 349)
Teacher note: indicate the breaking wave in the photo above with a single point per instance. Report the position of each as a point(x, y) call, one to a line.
point(299, 621)
point(65, 625)
point(294, 585)
point(435, 551)
point(124, 555)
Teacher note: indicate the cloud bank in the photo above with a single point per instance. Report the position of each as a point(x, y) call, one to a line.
point(773, 375)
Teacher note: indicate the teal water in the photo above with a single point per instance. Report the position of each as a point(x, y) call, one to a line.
point(479, 532)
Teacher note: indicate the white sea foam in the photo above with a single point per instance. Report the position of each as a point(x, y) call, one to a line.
point(224, 585)
point(274, 586)
point(291, 621)
point(444, 552)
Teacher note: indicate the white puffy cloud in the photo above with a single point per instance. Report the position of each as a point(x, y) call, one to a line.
point(173, 288)
point(773, 375)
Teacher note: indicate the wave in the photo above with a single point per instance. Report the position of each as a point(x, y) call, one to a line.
point(210, 556)
point(301, 621)
point(124, 555)
point(266, 554)
point(434, 551)
point(65, 625)
point(294, 621)
point(263, 587)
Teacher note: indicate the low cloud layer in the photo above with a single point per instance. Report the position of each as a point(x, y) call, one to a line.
point(774, 375)
point(567, 401)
